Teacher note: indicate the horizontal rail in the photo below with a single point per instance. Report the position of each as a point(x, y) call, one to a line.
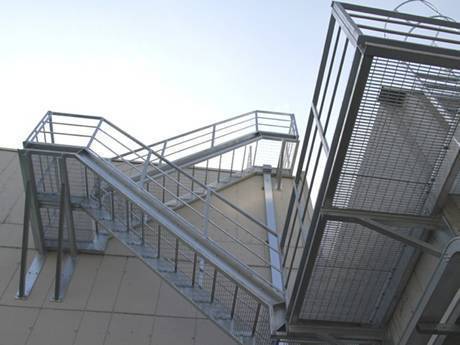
point(108, 138)
point(217, 127)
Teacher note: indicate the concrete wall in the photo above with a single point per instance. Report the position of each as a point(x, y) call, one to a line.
point(112, 298)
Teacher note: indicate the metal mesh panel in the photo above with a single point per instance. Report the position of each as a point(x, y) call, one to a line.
point(353, 268)
point(83, 224)
point(46, 173)
point(397, 144)
point(406, 119)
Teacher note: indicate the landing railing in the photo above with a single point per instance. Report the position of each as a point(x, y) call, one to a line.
point(213, 135)
point(208, 212)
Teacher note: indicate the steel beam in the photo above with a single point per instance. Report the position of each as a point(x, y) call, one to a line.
point(438, 329)
point(25, 161)
point(280, 165)
point(67, 209)
point(303, 151)
point(188, 233)
point(393, 218)
point(387, 231)
point(25, 242)
point(331, 332)
point(448, 172)
point(446, 323)
point(270, 214)
point(63, 270)
point(348, 112)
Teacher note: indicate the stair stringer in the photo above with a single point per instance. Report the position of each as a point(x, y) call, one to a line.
point(229, 266)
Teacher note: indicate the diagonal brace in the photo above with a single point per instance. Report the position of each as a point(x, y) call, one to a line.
point(388, 231)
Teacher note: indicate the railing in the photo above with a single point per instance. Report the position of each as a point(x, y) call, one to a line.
point(213, 135)
point(209, 213)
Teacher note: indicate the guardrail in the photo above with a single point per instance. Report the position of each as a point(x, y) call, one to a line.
point(210, 214)
point(208, 137)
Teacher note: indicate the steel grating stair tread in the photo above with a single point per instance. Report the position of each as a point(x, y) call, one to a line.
point(197, 295)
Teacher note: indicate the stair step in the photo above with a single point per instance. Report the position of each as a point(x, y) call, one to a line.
point(180, 266)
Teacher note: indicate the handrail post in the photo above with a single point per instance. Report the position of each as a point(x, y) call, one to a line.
point(280, 165)
point(257, 121)
point(94, 133)
point(50, 121)
point(206, 212)
point(144, 170)
point(213, 138)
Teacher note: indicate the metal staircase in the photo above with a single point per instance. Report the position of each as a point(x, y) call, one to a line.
point(85, 178)
point(223, 152)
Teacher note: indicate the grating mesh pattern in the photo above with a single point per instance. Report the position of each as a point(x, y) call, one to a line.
point(397, 145)
point(396, 149)
point(351, 273)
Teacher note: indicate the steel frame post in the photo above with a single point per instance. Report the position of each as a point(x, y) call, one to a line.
point(65, 265)
point(270, 212)
point(279, 172)
point(68, 206)
point(25, 243)
point(28, 278)
point(57, 282)
point(354, 90)
point(25, 161)
point(303, 151)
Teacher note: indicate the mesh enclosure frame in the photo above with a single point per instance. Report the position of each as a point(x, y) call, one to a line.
point(387, 149)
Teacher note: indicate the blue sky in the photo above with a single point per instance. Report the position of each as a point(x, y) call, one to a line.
point(158, 68)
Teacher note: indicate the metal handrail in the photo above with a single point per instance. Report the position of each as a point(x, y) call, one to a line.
point(94, 138)
point(213, 129)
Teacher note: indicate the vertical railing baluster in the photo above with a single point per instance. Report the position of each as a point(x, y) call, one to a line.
point(213, 289)
point(193, 174)
point(112, 205)
point(142, 227)
point(86, 183)
point(194, 269)
point(231, 164)
point(256, 319)
point(127, 215)
point(206, 172)
point(176, 255)
point(178, 183)
point(255, 153)
point(218, 172)
point(235, 296)
point(163, 190)
point(159, 241)
point(244, 158)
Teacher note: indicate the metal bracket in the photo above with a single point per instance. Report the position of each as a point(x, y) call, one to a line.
point(27, 279)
